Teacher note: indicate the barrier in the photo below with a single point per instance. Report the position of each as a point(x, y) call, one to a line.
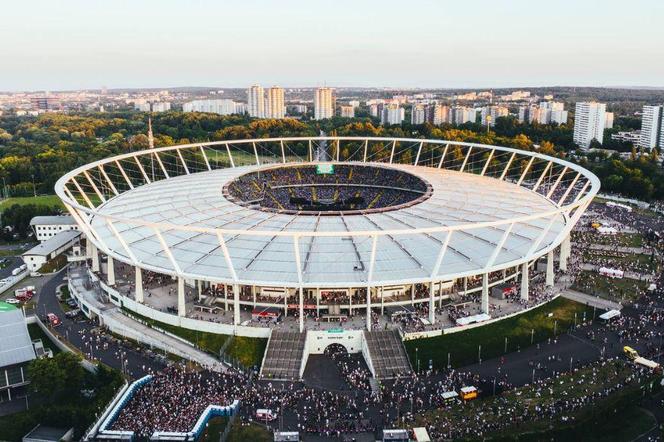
point(127, 393)
point(210, 412)
point(115, 411)
point(13, 280)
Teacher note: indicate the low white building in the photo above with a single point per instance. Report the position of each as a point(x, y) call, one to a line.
point(46, 227)
point(39, 255)
point(221, 107)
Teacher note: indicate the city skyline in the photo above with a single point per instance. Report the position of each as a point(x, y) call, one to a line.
point(429, 45)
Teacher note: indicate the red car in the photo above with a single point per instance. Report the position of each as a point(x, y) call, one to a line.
point(53, 320)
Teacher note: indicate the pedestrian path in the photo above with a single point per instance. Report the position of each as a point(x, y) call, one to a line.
point(119, 323)
point(593, 301)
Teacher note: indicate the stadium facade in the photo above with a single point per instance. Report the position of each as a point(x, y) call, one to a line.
point(326, 226)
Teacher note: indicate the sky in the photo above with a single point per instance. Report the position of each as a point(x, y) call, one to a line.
point(79, 44)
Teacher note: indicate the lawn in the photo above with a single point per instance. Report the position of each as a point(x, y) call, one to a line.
point(533, 326)
point(37, 333)
point(609, 288)
point(41, 200)
point(613, 418)
point(622, 239)
point(640, 262)
point(247, 351)
point(54, 265)
point(249, 432)
point(214, 428)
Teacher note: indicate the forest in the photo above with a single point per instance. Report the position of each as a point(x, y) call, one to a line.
point(36, 151)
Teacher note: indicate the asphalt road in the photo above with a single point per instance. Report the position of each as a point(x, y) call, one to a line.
point(85, 336)
point(14, 262)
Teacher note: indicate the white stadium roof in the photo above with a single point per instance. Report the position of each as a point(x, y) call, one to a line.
point(490, 208)
point(196, 201)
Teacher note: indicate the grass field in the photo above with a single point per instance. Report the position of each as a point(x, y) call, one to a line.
point(54, 265)
point(248, 351)
point(623, 239)
point(43, 200)
point(38, 333)
point(637, 261)
point(214, 428)
point(609, 288)
point(248, 432)
point(613, 418)
point(463, 347)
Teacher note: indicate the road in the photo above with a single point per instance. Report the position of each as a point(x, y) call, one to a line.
point(79, 333)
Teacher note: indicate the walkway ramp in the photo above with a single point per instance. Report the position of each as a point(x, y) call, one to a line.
point(388, 355)
point(283, 357)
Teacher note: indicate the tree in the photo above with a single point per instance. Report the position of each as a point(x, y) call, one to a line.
point(47, 377)
point(61, 375)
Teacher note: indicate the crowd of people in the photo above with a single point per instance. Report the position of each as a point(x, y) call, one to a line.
point(301, 188)
point(174, 399)
point(417, 399)
point(558, 398)
point(352, 368)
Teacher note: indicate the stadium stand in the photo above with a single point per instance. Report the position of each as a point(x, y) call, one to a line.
point(387, 354)
point(348, 188)
point(283, 357)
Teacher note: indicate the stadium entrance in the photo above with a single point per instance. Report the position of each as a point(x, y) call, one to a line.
point(334, 349)
point(337, 369)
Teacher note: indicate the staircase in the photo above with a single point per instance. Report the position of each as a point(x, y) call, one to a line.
point(388, 355)
point(283, 357)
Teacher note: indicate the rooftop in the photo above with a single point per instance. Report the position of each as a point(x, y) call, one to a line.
point(51, 245)
point(53, 220)
point(261, 247)
point(15, 343)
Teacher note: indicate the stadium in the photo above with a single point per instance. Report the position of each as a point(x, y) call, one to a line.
point(357, 241)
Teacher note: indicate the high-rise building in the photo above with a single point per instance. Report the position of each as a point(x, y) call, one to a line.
point(323, 103)
point(392, 114)
point(161, 106)
point(589, 122)
point(417, 114)
point(221, 107)
point(552, 112)
point(493, 112)
point(463, 114)
point(376, 110)
point(347, 111)
point(241, 108)
point(652, 127)
point(256, 101)
point(275, 103)
point(608, 120)
point(437, 114)
point(43, 103)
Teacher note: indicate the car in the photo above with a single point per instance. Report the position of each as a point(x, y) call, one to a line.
point(73, 313)
point(71, 302)
point(12, 301)
point(53, 319)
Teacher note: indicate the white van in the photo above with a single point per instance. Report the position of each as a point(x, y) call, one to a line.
point(263, 414)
